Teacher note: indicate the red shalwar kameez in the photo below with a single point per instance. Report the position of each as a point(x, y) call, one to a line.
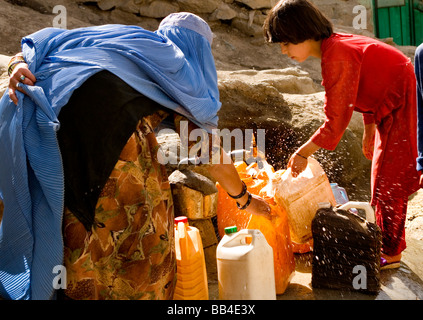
point(366, 75)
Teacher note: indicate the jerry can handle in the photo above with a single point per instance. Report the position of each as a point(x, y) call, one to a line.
point(242, 237)
point(370, 215)
point(344, 193)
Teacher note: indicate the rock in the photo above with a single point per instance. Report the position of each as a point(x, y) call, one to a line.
point(4, 60)
point(35, 5)
point(414, 223)
point(158, 9)
point(4, 78)
point(258, 4)
point(247, 27)
point(258, 99)
point(207, 231)
point(210, 242)
point(194, 195)
point(193, 181)
point(122, 16)
point(193, 204)
point(199, 6)
point(170, 148)
point(108, 4)
point(224, 12)
point(129, 6)
point(289, 80)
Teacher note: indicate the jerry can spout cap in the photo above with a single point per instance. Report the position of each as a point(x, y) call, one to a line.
point(230, 230)
point(183, 219)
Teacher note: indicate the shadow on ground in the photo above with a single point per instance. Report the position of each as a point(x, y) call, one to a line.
point(405, 283)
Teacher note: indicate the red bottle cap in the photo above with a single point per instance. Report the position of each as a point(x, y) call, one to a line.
point(181, 219)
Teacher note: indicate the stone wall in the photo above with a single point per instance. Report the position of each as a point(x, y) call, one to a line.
point(245, 15)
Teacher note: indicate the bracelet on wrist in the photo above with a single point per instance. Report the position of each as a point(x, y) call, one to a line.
point(13, 65)
point(243, 192)
point(246, 204)
point(300, 155)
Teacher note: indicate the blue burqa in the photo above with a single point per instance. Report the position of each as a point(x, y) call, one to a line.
point(173, 66)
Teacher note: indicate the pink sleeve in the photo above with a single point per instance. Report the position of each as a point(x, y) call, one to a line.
point(341, 79)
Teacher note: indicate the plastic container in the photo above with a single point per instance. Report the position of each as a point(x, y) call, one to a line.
point(339, 193)
point(228, 213)
point(300, 197)
point(275, 228)
point(245, 266)
point(368, 210)
point(342, 241)
point(276, 232)
point(191, 274)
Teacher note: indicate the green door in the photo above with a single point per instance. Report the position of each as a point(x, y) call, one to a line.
point(418, 21)
point(394, 19)
point(401, 20)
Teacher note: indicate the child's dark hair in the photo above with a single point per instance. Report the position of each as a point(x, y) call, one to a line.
point(295, 21)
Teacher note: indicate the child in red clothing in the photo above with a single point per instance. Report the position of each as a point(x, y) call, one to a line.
point(365, 75)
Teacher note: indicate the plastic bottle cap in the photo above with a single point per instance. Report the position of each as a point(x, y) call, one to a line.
point(181, 219)
point(248, 239)
point(232, 229)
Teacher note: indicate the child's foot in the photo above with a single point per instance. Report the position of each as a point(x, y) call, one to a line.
point(390, 262)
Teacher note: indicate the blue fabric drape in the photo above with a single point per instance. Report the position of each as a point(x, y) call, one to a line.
point(418, 65)
point(172, 66)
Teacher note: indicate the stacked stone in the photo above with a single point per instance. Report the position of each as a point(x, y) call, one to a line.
point(246, 15)
point(195, 196)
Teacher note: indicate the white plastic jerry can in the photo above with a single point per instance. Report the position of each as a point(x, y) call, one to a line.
point(245, 268)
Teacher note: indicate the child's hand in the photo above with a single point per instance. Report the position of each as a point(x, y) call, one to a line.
point(297, 164)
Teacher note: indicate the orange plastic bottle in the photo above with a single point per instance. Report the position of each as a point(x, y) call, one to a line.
point(191, 274)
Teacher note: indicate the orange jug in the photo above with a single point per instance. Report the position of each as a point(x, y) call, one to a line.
point(276, 231)
point(191, 274)
point(228, 213)
point(275, 228)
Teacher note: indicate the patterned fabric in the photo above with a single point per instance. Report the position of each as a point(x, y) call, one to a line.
point(129, 252)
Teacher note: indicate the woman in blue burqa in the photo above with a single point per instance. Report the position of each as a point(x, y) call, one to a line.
point(79, 175)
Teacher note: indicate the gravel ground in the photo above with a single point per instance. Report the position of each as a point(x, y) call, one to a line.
point(414, 223)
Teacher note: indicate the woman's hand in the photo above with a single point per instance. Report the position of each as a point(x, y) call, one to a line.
point(227, 176)
point(20, 74)
point(369, 140)
point(258, 206)
point(421, 181)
